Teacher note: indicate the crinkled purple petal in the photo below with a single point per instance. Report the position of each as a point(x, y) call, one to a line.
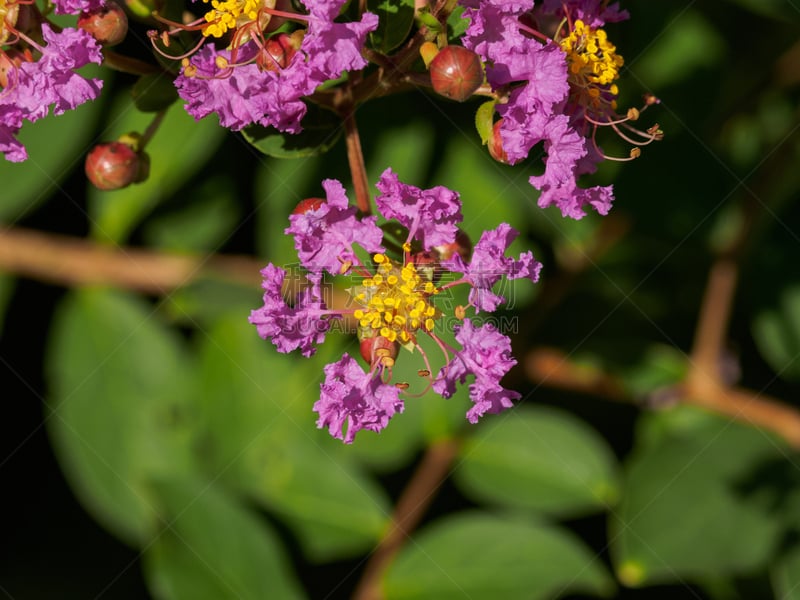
point(489, 264)
point(430, 215)
point(34, 86)
point(290, 328)
point(566, 149)
point(73, 7)
point(595, 13)
point(247, 95)
point(349, 395)
point(324, 237)
point(486, 354)
point(241, 96)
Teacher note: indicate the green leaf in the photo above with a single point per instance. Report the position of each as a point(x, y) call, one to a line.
point(477, 555)
point(777, 334)
point(212, 548)
point(120, 411)
point(177, 151)
point(29, 183)
point(692, 506)
point(407, 149)
point(260, 432)
point(395, 18)
point(203, 225)
point(484, 120)
point(321, 130)
point(689, 44)
point(540, 459)
point(154, 92)
point(786, 575)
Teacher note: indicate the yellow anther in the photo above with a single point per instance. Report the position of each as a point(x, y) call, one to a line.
point(392, 280)
point(429, 323)
point(358, 313)
point(379, 258)
point(377, 279)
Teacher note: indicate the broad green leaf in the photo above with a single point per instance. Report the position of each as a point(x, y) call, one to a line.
point(777, 334)
point(177, 151)
point(154, 92)
point(202, 225)
point(407, 150)
point(540, 459)
point(688, 44)
point(212, 548)
point(477, 555)
point(786, 575)
point(27, 184)
point(395, 18)
point(261, 437)
point(120, 414)
point(692, 506)
point(321, 130)
point(280, 186)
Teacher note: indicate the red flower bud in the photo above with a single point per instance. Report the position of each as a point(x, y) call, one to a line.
point(278, 51)
point(461, 246)
point(496, 149)
point(108, 25)
point(306, 205)
point(456, 73)
point(113, 166)
point(379, 348)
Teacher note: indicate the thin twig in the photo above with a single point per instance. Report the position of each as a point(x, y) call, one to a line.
point(71, 261)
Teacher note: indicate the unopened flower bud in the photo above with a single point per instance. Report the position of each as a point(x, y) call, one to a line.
point(461, 246)
point(113, 166)
point(456, 73)
point(495, 144)
point(278, 51)
point(378, 348)
point(307, 204)
point(108, 24)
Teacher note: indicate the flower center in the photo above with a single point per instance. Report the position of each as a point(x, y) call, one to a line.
point(593, 65)
point(233, 14)
point(395, 301)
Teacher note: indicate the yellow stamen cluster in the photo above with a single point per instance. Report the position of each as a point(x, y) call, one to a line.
point(395, 301)
point(9, 12)
point(231, 14)
point(593, 62)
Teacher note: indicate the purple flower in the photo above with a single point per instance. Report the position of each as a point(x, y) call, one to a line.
point(324, 237)
point(486, 354)
point(429, 215)
point(595, 13)
point(240, 96)
point(245, 95)
point(290, 328)
point(34, 86)
point(349, 394)
point(73, 7)
point(489, 264)
point(538, 106)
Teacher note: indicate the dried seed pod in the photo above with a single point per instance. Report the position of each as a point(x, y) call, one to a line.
point(456, 73)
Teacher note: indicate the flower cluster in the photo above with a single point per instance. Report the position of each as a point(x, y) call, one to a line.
point(261, 78)
point(556, 86)
point(37, 69)
point(394, 301)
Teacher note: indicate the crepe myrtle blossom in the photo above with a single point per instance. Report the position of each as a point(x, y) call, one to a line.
point(261, 76)
point(35, 75)
point(392, 302)
point(554, 70)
